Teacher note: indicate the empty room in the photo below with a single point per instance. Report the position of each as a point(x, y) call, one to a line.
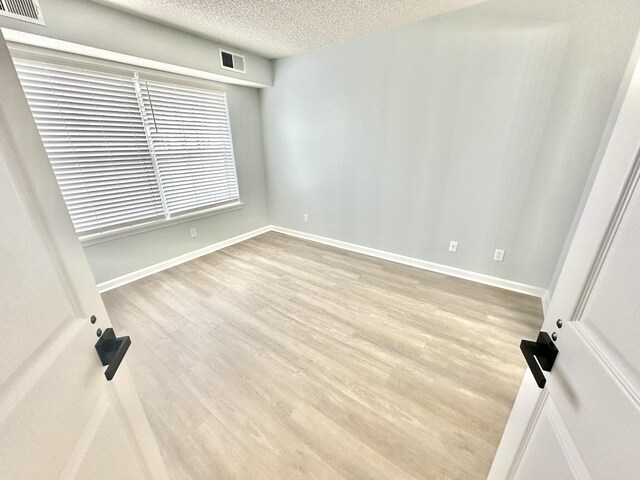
point(330, 240)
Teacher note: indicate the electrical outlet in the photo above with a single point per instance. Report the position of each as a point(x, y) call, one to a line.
point(499, 255)
point(453, 246)
point(194, 232)
point(306, 217)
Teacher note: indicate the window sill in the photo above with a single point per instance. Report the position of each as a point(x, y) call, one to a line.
point(96, 238)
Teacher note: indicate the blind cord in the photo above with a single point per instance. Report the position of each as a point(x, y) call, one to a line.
point(146, 85)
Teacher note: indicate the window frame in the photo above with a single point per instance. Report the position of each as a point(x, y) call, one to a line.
point(30, 52)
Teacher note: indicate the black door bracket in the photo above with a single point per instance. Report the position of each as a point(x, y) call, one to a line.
point(111, 350)
point(545, 351)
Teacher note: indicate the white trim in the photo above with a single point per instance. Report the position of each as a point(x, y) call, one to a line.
point(40, 41)
point(172, 262)
point(74, 60)
point(423, 264)
point(372, 252)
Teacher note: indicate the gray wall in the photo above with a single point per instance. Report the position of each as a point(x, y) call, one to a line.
point(84, 22)
point(87, 23)
point(478, 126)
point(613, 116)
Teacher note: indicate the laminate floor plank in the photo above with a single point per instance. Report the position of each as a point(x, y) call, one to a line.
point(279, 358)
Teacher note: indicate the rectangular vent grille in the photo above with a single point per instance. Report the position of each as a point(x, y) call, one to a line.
point(232, 61)
point(28, 10)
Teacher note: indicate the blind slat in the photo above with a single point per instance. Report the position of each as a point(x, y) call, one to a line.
point(126, 151)
point(191, 139)
point(98, 194)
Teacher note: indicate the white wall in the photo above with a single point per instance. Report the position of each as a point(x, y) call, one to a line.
point(478, 126)
point(94, 25)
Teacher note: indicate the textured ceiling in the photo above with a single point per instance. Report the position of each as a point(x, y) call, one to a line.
point(278, 28)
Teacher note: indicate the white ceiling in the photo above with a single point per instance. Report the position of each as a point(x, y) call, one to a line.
point(279, 28)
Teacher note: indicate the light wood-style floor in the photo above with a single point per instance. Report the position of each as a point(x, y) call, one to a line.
point(279, 358)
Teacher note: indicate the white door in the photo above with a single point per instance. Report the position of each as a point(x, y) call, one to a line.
point(59, 416)
point(585, 424)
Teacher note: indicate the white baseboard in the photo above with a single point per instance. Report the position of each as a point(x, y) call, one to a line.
point(393, 257)
point(158, 267)
point(423, 264)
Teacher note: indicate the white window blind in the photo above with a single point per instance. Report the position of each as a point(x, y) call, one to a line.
point(126, 151)
point(191, 142)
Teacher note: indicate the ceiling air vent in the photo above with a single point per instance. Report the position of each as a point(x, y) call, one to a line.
point(231, 61)
point(28, 10)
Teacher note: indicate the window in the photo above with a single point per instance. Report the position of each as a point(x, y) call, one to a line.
point(190, 139)
point(127, 150)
